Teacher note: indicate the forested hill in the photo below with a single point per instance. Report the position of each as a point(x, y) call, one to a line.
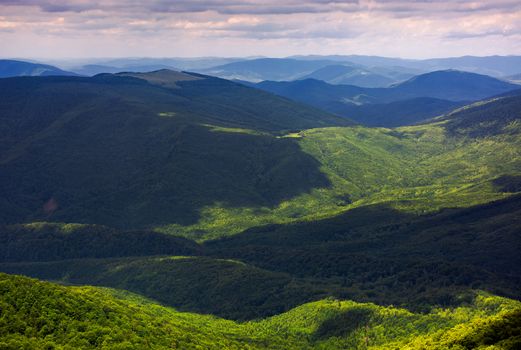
point(140, 150)
point(299, 228)
point(41, 315)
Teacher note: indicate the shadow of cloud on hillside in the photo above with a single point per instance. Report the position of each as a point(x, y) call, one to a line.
point(343, 324)
point(153, 171)
point(508, 183)
point(382, 255)
point(369, 254)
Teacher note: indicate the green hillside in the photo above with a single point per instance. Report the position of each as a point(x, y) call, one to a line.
point(37, 315)
point(204, 158)
point(372, 253)
point(414, 169)
point(299, 229)
point(223, 287)
point(126, 152)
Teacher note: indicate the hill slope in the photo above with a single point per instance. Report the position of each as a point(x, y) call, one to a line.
point(372, 253)
point(85, 149)
point(13, 68)
point(172, 155)
point(46, 315)
point(349, 75)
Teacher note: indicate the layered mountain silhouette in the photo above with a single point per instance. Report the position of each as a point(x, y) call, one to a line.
point(13, 68)
point(416, 99)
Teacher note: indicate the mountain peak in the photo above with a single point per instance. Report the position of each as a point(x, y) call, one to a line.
point(454, 85)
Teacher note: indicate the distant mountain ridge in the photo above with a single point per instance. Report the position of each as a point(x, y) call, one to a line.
point(350, 75)
point(14, 68)
point(497, 66)
point(410, 99)
point(266, 69)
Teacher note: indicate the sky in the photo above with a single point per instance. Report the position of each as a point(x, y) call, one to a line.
point(275, 28)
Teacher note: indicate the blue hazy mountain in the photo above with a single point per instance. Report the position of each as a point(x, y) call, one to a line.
point(497, 66)
point(416, 99)
point(268, 69)
point(350, 75)
point(14, 68)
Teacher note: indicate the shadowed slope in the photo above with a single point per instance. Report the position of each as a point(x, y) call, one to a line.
point(121, 151)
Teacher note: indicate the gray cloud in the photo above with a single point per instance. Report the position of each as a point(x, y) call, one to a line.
point(393, 25)
point(400, 8)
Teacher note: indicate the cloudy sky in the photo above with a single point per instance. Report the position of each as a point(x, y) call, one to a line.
point(161, 28)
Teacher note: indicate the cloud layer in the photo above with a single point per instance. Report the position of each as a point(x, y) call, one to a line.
point(421, 28)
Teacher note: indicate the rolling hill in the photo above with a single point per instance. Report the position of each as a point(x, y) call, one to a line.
point(219, 200)
point(43, 315)
point(373, 253)
point(13, 68)
point(384, 227)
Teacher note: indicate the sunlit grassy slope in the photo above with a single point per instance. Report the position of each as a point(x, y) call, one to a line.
point(415, 169)
point(36, 315)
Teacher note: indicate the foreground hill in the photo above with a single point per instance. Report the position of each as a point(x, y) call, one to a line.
point(44, 315)
point(412, 101)
point(136, 150)
point(13, 68)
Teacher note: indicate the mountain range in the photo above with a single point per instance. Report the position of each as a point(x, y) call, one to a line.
point(419, 98)
point(170, 209)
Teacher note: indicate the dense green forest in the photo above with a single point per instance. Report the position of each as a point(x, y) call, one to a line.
point(176, 210)
point(38, 315)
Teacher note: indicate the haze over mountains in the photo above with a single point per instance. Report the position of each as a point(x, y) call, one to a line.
point(14, 68)
point(367, 71)
point(414, 100)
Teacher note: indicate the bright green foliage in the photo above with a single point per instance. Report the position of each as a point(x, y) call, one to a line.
point(371, 253)
point(206, 158)
point(36, 315)
point(415, 169)
point(226, 288)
